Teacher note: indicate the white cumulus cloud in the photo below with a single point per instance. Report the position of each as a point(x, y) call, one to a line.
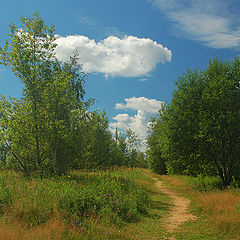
point(145, 108)
point(140, 103)
point(215, 23)
point(128, 56)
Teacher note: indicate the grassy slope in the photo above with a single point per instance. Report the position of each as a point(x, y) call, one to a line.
point(218, 215)
point(32, 213)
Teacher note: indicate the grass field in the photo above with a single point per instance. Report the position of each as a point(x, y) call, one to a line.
point(217, 210)
point(119, 204)
point(80, 205)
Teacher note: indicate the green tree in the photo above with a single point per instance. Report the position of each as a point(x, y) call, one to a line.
point(30, 48)
point(40, 127)
point(119, 151)
point(4, 113)
point(219, 131)
point(156, 143)
point(202, 133)
point(141, 160)
point(182, 125)
point(133, 144)
point(92, 141)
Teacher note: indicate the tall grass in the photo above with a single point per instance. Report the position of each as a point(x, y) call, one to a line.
point(222, 210)
point(75, 198)
point(205, 183)
point(219, 208)
point(138, 175)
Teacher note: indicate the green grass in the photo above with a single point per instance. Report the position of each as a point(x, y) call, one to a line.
point(117, 204)
point(216, 210)
point(77, 197)
point(205, 183)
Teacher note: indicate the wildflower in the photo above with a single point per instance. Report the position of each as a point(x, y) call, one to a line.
point(107, 194)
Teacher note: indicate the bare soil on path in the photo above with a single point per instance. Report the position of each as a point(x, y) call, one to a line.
point(179, 212)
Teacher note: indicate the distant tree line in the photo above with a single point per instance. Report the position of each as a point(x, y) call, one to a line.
point(199, 132)
point(51, 129)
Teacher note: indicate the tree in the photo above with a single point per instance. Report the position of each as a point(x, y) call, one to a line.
point(4, 113)
point(182, 126)
point(40, 126)
point(119, 151)
point(156, 142)
point(50, 129)
point(219, 130)
point(92, 141)
point(199, 132)
point(133, 147)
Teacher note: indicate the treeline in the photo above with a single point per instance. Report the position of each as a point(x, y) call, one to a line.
point(51, 129)
point(199, 132)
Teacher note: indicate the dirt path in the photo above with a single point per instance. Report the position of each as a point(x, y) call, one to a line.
point(179, 213)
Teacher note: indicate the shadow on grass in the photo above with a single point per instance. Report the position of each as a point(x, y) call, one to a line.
point(160, 204)
point(156, 204)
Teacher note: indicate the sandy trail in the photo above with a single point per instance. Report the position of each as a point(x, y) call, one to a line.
point(179, 213)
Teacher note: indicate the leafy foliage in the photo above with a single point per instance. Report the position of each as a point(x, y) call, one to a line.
point(50, 129)
point(156, 141)
point(5, 195)
point(198, 132)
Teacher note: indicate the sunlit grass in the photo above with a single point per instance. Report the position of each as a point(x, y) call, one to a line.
point(222, 210)
point(49, 208)
point(218, 211)
point(37, 209)
point(81, 203)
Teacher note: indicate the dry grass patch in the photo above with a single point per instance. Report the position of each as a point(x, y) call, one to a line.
point(9, 233)
point(176, 182)
point(221, 209)
point(144, 182)
point(52, 230)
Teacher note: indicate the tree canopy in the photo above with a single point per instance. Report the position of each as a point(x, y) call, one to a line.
point(50, 129)
point(198, 133)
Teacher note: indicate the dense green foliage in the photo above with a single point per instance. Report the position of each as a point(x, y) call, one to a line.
point(51, 129)
point(198, 133)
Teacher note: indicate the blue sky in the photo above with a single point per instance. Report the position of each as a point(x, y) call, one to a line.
point(134, 50)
